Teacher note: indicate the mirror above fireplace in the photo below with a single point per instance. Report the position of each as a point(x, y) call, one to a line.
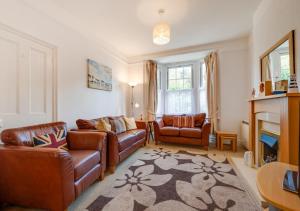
point(278, 63)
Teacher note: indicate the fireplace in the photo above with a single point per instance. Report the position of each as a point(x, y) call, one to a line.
point(269, 147)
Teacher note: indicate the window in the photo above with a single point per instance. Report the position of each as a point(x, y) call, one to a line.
point(285, 67)
point(182, 88)
point(180, 78)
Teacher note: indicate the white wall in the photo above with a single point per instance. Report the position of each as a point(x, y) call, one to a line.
point(234, 80)
point(75, 100)
point(272, 21)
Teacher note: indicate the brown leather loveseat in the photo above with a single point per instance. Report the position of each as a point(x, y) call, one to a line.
point(120, 145)
point(198, 135)
point(49, 178)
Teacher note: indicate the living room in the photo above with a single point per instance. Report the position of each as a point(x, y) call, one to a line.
point(157, 105)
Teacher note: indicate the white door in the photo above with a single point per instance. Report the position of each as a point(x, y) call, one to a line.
point(26, 81)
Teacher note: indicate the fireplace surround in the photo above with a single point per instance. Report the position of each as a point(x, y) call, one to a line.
point(276, 116)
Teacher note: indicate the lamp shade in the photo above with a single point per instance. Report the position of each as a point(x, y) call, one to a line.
point(132, 83)
point(161, 34)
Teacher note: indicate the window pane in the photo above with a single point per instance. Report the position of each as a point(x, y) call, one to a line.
point(171, 73)
point(179, 72)
point(187, 84)
point(172, 85)
point(187, 72)
point(179, 84)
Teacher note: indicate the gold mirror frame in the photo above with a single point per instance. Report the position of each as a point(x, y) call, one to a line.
point(289, 37)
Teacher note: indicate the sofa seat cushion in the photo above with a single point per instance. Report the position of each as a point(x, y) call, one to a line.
point(125, 140)
point(190, 132)
point(84, 161)
point(138, 133)
point(169, 131)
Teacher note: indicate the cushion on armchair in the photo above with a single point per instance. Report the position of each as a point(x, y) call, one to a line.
point(52, 140)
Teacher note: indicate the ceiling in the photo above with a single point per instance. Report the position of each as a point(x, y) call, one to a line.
point(126, 25)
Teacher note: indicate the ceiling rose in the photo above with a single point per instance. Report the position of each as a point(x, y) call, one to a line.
point(161, 31)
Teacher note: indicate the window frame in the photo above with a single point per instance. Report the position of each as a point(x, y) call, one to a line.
point(182, 65)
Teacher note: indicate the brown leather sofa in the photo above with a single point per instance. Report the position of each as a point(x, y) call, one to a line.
point(122, 145)
point(49, 178)
point(198, 135)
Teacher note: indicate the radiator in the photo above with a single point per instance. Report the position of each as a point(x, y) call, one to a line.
point(245, 134)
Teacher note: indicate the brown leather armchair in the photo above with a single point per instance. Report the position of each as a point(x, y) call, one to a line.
point(199, 135)
point(49, 178)
point(121, 145)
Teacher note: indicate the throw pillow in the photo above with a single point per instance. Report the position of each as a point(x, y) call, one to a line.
point(102, 125)
point(187, 121)
point(130, 123)
point(118, 125)
point(52, 140)
point(176, 121)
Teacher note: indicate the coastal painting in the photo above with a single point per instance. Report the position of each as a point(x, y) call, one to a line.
point(99, 76)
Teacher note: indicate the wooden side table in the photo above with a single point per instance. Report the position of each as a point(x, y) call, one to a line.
point(269, 183)
point(149, 125)
point(230, 136)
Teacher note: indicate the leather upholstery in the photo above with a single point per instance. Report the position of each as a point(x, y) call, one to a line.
point(190, 132)
point(125, 140)
point(120, 146)
point(84, 160)
point(49, 178)
point(169, 131)
point(199, 135)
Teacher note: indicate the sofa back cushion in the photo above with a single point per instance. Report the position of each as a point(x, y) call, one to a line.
point(86, 124)
point(23, 136)
point(168, 120)
point(90, 124)
point(199, 119)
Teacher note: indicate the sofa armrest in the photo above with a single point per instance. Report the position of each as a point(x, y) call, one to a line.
point(89, 140)
point(30, 175)
point(158, 124)
point(205, 132)
point(113, 151)
point(86, 140)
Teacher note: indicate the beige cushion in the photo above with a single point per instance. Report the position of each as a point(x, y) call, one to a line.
point(130, 123)
point(102, 125)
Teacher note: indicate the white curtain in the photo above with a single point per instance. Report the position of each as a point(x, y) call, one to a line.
point(179, 102)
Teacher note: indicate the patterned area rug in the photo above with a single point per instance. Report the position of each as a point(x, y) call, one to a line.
point(166, 180)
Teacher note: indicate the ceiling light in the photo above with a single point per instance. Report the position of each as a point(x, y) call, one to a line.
point(161, 32)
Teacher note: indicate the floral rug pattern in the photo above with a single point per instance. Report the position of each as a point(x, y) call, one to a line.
point(165, 180)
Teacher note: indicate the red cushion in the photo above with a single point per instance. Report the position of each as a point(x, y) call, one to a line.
point(169, 131)
point(190, 133)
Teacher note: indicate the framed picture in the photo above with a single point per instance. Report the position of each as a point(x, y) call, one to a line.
point(99, 76)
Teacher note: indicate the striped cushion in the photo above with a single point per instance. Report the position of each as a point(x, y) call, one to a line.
point(187, 121)
point(183, 121)
point(176, 121)
point(52, 140)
